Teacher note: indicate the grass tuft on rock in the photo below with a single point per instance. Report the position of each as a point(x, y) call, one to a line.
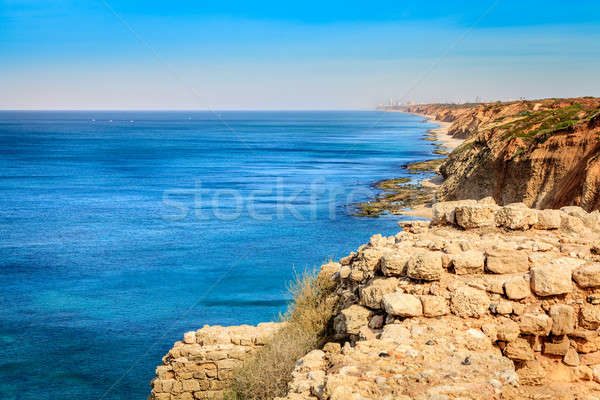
point(266, 374)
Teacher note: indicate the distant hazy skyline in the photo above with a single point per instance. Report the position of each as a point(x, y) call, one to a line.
point(117, 54)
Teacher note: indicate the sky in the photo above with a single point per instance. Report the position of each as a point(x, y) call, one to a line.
point(124, 54)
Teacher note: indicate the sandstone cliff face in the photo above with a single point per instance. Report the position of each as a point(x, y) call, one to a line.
point(544, 153)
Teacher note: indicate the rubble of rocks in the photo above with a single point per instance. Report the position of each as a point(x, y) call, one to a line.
point(482, 302)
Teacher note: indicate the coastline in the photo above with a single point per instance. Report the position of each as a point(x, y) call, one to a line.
point(398, 303)
point(415, 199)
point(441, 133)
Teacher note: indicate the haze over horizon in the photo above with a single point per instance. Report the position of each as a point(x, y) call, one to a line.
point(269, 55)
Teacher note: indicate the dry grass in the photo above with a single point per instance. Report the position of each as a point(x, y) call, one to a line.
point(266, 374)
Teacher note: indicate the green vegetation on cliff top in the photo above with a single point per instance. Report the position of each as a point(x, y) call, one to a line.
point(540, 125)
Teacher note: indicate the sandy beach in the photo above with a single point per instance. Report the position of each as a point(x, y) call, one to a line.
point(442, 133)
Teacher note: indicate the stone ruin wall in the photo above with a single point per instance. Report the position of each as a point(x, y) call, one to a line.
point(200, 366)
point(516, 289)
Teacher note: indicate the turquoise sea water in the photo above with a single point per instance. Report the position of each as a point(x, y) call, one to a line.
point(122, 230)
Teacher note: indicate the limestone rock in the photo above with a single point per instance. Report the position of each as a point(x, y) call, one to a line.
point(414, 322)
point(495, 283)
point(395, 264)
point(571, 224)
point(571, 358)
point(476, 216)
point(189, 337)
point(590, 358)
point(395, 333)
point(535, 324)
point(434, 306)
point(402, 305)
point(519, 350)
point(425, 266)
point(507, 330)
point(588, 275)
point(501, 307)
point(563, 319)
point(548, 219)
point(352, 319)
point(376, 321)
point(550, 280)
point(366, 263)
point(332, 347)
point(558, 346)
point(586, 218)
point(516, 216)
point(327, 271)
point(468, 262)
point(589, 316)
point(443, 212)
point(517, 288)
point(371, 295)
point(505, 261)
point(469, 302)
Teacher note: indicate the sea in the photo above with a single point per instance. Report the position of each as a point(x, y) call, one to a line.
point(120, 231)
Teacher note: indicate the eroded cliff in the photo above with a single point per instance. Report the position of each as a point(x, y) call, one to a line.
point(544, 153)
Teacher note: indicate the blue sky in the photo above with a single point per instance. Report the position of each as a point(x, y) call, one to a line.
point(115, 54)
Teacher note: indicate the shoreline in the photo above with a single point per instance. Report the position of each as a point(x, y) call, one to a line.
point(425, 210)
point(423, 193)
point(441, 132)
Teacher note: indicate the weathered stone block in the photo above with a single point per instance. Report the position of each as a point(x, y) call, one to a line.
point(517, 288)
point(505, 261)
point(571, 224)
point(563, 319)
point(469, 302)
point(371, 295)
point(402, 305)
point(394, 264)
point(519, 350)
point(551, 280)
point(443, 212)
point(476, 216)
point(548, 219)
point(558, 347)
point(589, 316)
point(434, 306)
point(425, 266)
point(588, 275)
point(352, 319)
point(190, 385)
point(507, 330)
point(468, 262)
point(501, 307)
point(535, 324)
point(516, 216)
point(571, 358)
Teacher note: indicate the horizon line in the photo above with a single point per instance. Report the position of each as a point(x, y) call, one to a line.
point(187, 109)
